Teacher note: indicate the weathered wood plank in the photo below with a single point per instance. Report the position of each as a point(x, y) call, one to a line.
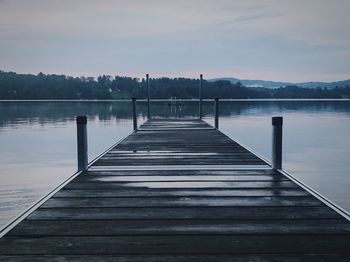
point(181, 258)
point(217, 157)
point(171, 161)
point(218, 173)
point(141, 192)
point(181, 201)
point(176, 148)
point(179, 178)
point(186, 185)
point(178, 227)
point(189, 244)
point(182, 157)
point(139, 153)
point(240, 213)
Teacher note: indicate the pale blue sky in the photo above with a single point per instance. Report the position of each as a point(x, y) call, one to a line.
point(285, 40)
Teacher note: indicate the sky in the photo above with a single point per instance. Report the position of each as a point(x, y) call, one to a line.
point(281, 40)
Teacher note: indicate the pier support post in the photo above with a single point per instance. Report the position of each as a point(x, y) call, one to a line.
point(134, 114)
point(148, 97)
point(82, 143)
point(277, 123)
point(200, 96)
point(216, 110)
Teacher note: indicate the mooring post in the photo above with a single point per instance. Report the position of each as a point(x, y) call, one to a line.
point(216, 110)
point(82, 143)
point(277, 123)
point(200, 96)
point(148, 97)
point(134, 115)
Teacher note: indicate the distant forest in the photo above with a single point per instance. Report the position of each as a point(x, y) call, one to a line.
point(15, 86)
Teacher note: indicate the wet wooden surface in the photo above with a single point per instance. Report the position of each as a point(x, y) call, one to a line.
point(244, 214)
point(163, 142)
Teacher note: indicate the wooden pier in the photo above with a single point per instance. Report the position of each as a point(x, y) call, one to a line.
point(180, 190)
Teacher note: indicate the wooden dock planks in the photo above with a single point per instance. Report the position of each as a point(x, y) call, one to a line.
point(247, 213)
point(196, 143)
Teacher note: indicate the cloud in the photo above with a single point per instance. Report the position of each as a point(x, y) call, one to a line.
point(244, 19)
point(175, 36)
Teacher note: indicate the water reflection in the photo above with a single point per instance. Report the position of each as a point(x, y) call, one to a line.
point(42, 113)
point(15, 114)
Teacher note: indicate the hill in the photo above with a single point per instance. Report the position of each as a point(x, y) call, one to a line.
point(274, 84)
point(15, 86)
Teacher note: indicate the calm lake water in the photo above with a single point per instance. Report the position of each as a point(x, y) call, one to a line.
point(38, 141)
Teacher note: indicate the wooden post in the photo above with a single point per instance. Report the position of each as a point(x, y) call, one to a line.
point(216, 110)
point(82, 143)
point(277, 123)
point(200, 96)
point(134, 115)
point(148, 97)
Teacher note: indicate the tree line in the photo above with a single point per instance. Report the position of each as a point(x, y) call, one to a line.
point(15, 86)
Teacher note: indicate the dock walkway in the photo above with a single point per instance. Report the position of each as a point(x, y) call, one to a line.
point(180, 190)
